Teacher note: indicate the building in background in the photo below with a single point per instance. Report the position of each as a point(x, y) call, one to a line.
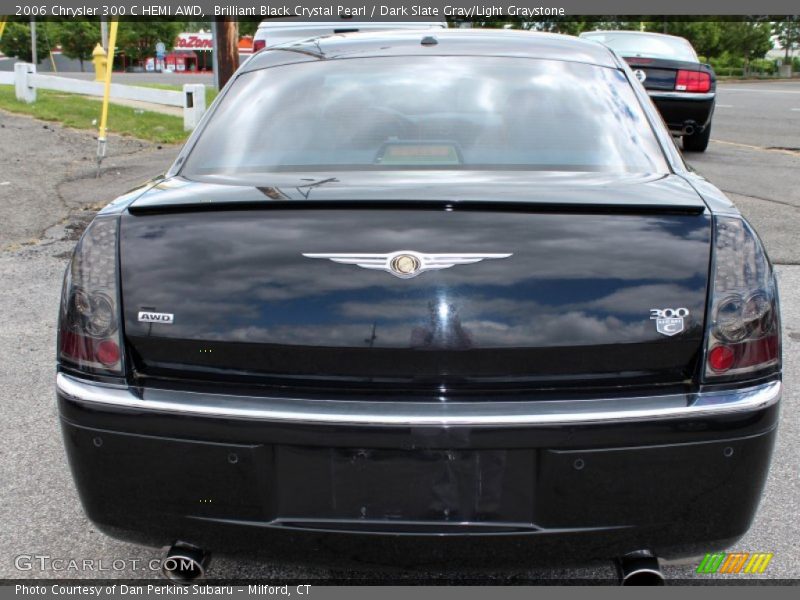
point(192, 53)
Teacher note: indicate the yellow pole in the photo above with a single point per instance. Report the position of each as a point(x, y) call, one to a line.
point(2, 25)
point(101, 133)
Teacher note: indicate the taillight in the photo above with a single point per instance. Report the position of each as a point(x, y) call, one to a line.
point(89, 337)
point(744, 325)
point(259, 45)
point(692, 81)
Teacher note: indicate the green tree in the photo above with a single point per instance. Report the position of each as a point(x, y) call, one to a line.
point(248, 25)
point(195, 26)
point(788, 33)
point(16, 41)
point(706, 36)
point(138, 39)
point(748, 39)
point(568, 25)
point(78, 39)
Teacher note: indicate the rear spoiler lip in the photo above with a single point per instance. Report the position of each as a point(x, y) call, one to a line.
point(448, 205)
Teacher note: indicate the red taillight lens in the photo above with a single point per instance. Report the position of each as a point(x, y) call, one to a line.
point(89, 332)
point(744, 325)
point(721, 358)
point(259, 45)
point(107, 352)
point(692, 81)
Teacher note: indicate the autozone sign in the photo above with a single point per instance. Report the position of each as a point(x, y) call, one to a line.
point(193, 41)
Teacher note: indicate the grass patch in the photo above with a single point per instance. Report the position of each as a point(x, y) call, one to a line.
point(79, 112)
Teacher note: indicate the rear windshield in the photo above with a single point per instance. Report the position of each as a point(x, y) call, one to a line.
point(651, 46)
point(428, 113)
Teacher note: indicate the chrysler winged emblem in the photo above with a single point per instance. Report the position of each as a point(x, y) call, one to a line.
point(406, 263)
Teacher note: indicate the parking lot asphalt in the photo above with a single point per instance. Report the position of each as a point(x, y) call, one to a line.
point(48, 193)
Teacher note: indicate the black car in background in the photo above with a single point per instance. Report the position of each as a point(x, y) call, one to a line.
point(683, 88)
point(424, 288)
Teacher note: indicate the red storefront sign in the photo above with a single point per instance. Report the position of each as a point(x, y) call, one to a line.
point(193, 41)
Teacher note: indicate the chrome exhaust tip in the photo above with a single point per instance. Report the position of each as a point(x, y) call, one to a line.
point(184, 563)
point(640, 569)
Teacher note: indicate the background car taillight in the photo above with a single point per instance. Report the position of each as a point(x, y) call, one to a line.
point(89, 321)
point(744, 321)
point(692, 81)
point(259, 45)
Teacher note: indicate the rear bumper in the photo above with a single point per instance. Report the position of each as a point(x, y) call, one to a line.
point(680, 108)
point(678, 475)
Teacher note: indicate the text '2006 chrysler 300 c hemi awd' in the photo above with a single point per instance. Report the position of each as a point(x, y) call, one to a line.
point(399, 284)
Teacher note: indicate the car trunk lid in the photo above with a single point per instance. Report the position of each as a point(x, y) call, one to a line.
point(661, 74)
point(569, 307)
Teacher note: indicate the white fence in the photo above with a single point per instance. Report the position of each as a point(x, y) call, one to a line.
point(26, 81)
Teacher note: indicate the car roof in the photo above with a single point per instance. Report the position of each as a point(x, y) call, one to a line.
point(295, 23)
point(448, 42)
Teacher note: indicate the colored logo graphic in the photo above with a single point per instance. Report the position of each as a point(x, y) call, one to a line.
point(735, 562)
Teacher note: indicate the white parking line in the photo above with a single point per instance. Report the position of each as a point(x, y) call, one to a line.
point(727, 89)
point(796, 109)
point(727, 106)
point(758, 148)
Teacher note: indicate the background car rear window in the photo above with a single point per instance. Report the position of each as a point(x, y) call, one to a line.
point(428, 112)
point(647, 45)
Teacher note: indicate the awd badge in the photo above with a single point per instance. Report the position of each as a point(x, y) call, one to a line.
point(669, 321)
point(154, 317)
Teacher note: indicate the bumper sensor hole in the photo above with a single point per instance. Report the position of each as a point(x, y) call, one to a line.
point(579, 464)
point(98, 441)
point(727, 452)
point(233, 458)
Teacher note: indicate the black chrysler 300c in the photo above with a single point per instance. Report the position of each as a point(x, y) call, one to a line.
point(460, 286)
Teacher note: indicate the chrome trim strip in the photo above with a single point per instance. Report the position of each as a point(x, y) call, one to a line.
point(681, 95)
point(350, 412)
point(395, 527)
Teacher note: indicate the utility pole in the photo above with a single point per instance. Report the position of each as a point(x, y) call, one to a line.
point(226, 49)
point(34, 57)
